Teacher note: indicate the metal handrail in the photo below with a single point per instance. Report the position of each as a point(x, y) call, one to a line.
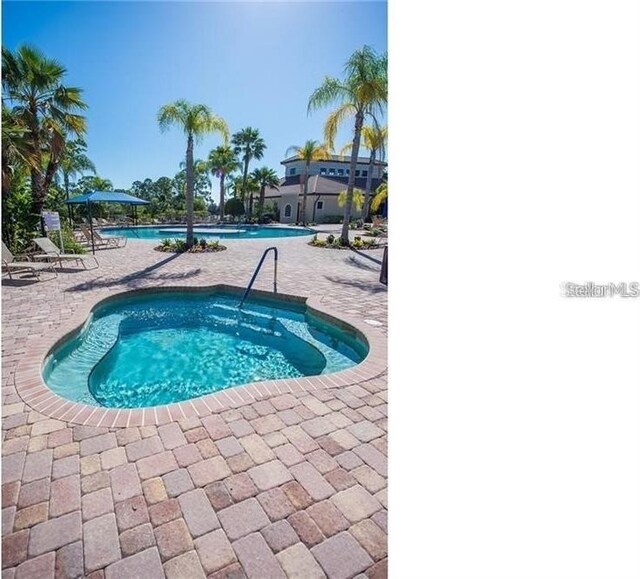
point(255, 273)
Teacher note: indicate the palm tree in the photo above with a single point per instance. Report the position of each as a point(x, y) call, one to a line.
point(234, 184)
point(74, 161)
point(249, 144)
point(47, 108)
point(362, 93)
point(265, 177)
point(195, 121)
point(374, 138)
point(222, 162)
point(310, 151)
point(251, 186)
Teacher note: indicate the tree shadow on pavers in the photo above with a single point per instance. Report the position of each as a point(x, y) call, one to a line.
point(134, 278)
point(367, 256)
point(372, 287)
point(355, 262)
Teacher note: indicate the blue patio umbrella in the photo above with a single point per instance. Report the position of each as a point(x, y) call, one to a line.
point(104, 197)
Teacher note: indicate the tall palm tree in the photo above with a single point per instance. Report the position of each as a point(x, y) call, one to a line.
point(249, 145)
point(265, 177)
point(74, 161)
point(222, 162)
point(310, 151)
point(32, 83)
point(195, 121)
point(362, 93)
point(375, 138)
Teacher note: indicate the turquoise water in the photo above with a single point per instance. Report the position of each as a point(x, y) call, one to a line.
point(207, 231)
point(166, 347)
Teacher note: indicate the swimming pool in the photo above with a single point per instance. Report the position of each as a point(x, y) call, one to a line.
point(207, 231)
point(164, 347)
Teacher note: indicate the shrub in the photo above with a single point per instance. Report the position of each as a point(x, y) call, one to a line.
point(234, 207)
point(69, 241)
point(330, 238)
point(331, 219)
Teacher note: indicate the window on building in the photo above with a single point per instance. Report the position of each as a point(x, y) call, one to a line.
point(357, 172)
point(287, 210)
point(332, 171)
point(323, 170)
point(340, 172)
point(365, 173)
point(292, 171)
point(320, 205)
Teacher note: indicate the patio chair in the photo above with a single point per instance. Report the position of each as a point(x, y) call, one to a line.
point(52, 252)
point(10, 264)
point(102, 241)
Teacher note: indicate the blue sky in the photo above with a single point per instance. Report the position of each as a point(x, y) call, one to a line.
point(253, 63)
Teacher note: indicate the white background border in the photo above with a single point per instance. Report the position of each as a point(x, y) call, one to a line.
point(514, 411)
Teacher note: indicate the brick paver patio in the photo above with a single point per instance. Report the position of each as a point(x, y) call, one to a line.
point(290, 485)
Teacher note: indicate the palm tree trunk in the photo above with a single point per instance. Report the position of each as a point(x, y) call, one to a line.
point(355, 147)
point(261, 203)
point(37, 191)
point(367, 191)
point(189, 192)
point(304, 194)
point(37, 179)
point(245, 172)
point(52, 167)
point(222, 176)
point(65, 176)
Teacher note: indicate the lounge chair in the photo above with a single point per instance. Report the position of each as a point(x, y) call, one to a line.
point(10, 264)
point(102, 241)
point(52, 252)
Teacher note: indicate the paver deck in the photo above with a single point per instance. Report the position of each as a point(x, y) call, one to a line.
point(276, 483)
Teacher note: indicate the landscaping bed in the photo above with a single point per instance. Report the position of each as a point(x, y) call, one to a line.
point(180, 246)
point(334, 242)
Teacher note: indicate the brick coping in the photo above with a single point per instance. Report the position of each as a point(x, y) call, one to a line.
point(37, 395)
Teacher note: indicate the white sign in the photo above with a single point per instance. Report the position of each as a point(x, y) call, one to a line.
point(51, 220)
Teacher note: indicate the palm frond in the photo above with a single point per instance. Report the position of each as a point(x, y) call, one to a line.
point(329, 92)
point(171, 114)
point(333, 122)
point(380, 197)
point(357, 199)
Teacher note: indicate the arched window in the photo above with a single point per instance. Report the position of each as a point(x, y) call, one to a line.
point(287, 210)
